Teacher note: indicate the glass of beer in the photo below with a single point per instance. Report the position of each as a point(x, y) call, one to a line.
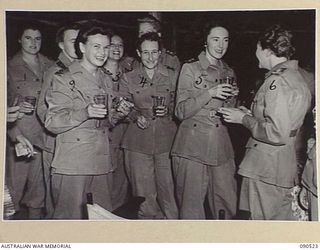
point(100, 99)
point(158, 101)
point(31, 100)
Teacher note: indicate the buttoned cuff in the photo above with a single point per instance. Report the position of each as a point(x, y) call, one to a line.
point(80, 115)
point(248, 121)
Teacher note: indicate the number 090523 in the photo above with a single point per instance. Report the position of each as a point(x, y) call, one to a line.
point(309, 246)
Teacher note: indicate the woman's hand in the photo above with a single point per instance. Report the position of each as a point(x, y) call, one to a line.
point(142, 122)
point(221, 91)
point(24, 144)
point(26, 107)
point(96, 111)
point(13, 113)
point(161, 111)
point(232, 115)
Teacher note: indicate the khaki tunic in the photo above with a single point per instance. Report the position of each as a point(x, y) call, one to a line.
point(22, 82)
point(158, 137)
point(62, 63)
point(201, 135)
point(82, 148)
point(278, 111)
point(202, 153)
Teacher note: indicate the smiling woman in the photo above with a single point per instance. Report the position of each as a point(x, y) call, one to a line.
point(82, 162)
point(25, 74)
point(203, 159)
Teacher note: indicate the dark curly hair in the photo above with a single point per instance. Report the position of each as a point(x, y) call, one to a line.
point(151, 36)
point(89, 29)
point(278, 40)
point(209, 26)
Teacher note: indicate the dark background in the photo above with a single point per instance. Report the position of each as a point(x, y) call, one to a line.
point(181, 32)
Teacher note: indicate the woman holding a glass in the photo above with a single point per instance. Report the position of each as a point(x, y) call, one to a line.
point(148, 139)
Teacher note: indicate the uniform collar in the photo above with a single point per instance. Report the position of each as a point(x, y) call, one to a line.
point(290, 64)
point(75, 68)
point(159, 70)
point(18, 60)
point(205, 64)
point(64, 59)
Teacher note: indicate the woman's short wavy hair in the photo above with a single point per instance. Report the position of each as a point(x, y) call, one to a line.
point(151, 36)
point(211, 25)
point(278, 40)
point(89, 29)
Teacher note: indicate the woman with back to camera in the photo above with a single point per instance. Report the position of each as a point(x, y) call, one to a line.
point(269, 167)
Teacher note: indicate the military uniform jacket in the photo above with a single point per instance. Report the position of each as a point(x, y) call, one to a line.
point(309, 175)
point(117, 132)
point(201, 136)
point(82, 147)
point(278, 111)
point(158, 137)
point(22, 82)
point(62, 63)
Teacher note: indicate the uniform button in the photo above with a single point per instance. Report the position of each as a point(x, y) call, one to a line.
point(78, 139)
point(205, 86)
point(153, 118)
point(255, 145)
point(151, 84)
point(217, 125)
point(195, 125)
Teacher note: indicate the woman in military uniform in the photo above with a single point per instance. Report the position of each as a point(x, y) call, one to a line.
point(203, 158)
point(269, 167)
point(81, 162)
point(25, 76)
point(148, 140)
point(114, 69)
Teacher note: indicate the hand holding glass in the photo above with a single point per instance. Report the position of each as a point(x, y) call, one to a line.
point(28, 105)
point(159, 109)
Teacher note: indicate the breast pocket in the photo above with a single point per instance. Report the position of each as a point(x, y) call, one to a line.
point(166, 92)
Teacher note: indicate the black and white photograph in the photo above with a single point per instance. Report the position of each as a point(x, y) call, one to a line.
point(160, 115)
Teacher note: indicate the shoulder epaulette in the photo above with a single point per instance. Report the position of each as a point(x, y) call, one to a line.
point(191, 60)
point(104, 70)
point(61, 71)
point(171, 53)
point(61, 65)
point(278, 71)
point(126, 70)
point(168, 67)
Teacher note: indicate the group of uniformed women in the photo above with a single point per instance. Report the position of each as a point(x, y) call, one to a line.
point(99, 122)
